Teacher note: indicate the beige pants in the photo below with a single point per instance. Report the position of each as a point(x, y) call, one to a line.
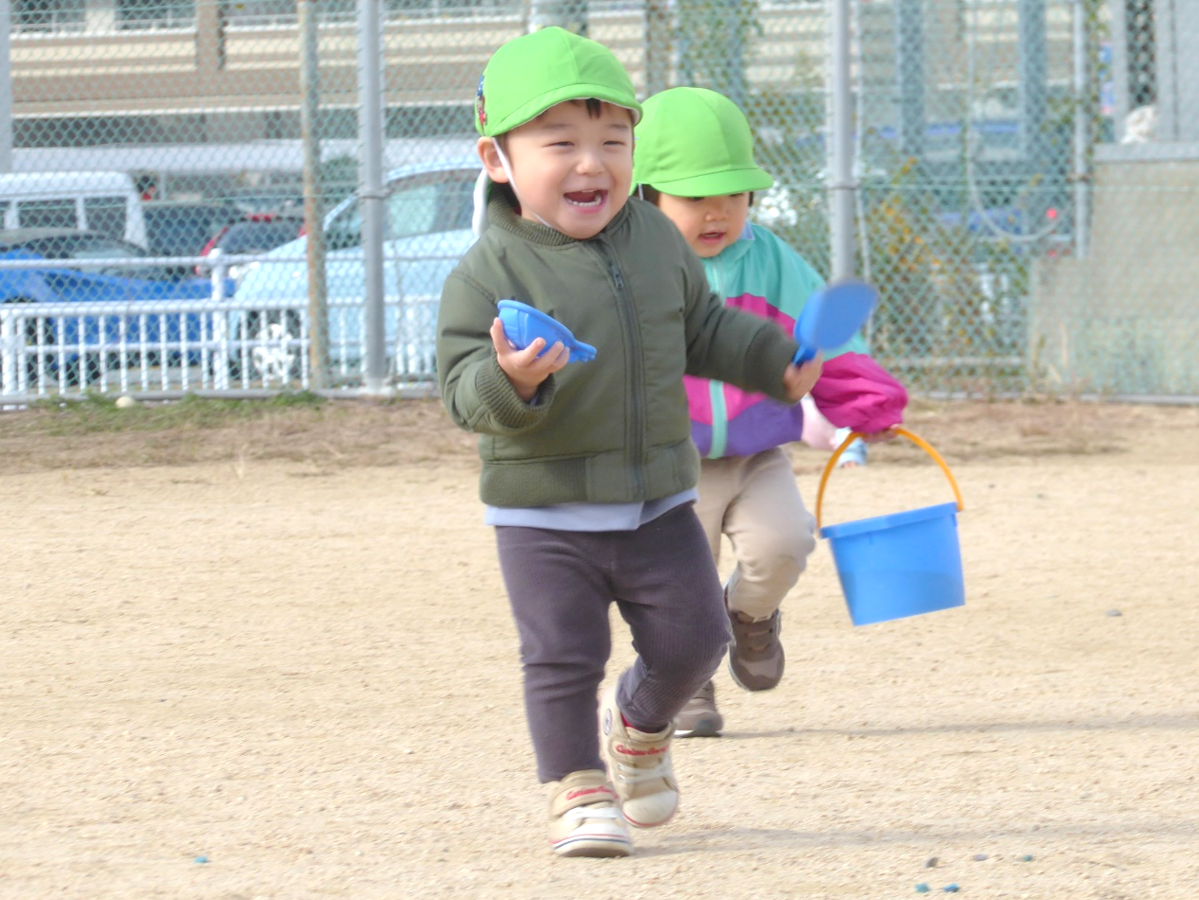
point(755, 501)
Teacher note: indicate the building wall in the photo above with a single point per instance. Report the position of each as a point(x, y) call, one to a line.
point(1125, 319)
point(218, 66)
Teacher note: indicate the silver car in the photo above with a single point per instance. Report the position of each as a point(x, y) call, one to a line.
point(427, 228)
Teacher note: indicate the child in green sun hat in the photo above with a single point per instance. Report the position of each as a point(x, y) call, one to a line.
point(694, 159)
point(588, 468)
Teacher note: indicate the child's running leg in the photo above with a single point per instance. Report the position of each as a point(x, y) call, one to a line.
point(668, 591)
point(772, 534)
point(560, 596)
point(718, 484)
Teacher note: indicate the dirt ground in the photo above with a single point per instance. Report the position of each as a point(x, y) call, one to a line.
point(275, 660)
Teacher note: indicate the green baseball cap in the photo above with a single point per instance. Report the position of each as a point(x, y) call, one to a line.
point(693, 142)
point(535, 71)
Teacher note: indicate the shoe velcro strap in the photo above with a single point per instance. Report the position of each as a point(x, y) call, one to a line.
point(582, 795)
point(593, 811)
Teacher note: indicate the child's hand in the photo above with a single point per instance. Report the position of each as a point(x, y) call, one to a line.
point(524, 368)
point(799, 380)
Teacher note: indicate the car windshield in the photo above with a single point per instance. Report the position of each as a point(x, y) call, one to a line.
point(422, 204)
point(258, 237)
point(184, 230)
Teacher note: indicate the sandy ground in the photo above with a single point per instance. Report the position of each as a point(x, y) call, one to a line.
point(277, 662)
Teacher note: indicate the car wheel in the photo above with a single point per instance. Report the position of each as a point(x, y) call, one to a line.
point(269, 350)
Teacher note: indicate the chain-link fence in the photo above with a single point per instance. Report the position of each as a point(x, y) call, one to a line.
point(1026, 177)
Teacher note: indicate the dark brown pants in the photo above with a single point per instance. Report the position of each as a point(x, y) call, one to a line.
point(560, 584)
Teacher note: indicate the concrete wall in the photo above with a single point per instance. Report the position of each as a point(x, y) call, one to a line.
point(1125, 319)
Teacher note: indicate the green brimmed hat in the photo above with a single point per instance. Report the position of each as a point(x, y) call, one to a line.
point(694, 142)
point(535, 71)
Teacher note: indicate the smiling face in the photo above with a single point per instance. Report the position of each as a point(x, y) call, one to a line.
point(708, 224)
point(571, 170)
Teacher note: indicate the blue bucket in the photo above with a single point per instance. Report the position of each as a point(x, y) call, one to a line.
point(898, 565)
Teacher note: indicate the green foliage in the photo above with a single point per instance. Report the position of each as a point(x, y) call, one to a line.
point(946, 292)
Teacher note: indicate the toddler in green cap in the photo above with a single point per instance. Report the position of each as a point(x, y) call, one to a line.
point(694, 159)
point(588, 469)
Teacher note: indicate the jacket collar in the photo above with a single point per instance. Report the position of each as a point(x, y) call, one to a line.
point(500, 214)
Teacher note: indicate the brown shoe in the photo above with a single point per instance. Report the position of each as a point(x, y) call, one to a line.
point(756, 657)
point(700, 717)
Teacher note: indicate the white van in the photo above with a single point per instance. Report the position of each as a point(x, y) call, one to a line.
point(107, 202)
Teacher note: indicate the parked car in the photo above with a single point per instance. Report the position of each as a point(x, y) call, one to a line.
point(254, 233)
point(69, 277)
point(184, 228)
point(103, 202)
point(427, 228)
point(275, 200)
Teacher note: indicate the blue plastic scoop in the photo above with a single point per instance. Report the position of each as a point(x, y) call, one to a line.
point(523, 324)
point(832, 315)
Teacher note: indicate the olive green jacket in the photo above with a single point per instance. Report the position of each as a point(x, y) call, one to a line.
point(616, 429)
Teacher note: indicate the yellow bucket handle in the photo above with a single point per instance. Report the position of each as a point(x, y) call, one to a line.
point(918, 441)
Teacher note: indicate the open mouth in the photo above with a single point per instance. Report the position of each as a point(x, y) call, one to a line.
point(712, 237)
point(586, 199)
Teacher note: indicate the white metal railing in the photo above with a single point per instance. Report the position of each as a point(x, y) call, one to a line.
point(212, 344)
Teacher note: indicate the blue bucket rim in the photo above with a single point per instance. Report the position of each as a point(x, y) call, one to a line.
point(892, 520)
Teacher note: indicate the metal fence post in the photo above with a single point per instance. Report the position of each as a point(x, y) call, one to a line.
point(220, 325)
point(909, 70)
point(1033, 102)
point(1082, 130)
point(5, 86)
point(659, 51)
point(840, 161)
point(371, 194)
point(313, 225)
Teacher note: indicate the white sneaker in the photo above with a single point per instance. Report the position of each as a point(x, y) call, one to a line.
point(585, 817)
point(639, 763)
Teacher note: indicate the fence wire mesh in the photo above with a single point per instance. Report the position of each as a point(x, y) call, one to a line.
point(1026, 170)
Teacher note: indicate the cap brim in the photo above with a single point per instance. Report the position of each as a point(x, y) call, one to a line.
point(716, 184)
point(538, 105)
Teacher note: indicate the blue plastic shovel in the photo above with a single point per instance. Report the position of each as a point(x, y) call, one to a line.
point(832, 315)
point(523, 324)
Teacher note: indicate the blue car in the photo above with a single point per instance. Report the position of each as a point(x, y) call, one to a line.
point(68, 277)
point(427, 227)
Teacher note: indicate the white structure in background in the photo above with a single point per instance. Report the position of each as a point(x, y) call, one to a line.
point(1154, 65)
point(1140, 125)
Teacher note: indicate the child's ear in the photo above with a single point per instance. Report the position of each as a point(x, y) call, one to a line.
point(490, 156)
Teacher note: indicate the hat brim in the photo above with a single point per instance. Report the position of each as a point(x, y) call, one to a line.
point(716, 184)
point(538, 105)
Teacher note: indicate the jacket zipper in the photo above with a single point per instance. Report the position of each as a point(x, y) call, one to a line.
point(628, 322)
